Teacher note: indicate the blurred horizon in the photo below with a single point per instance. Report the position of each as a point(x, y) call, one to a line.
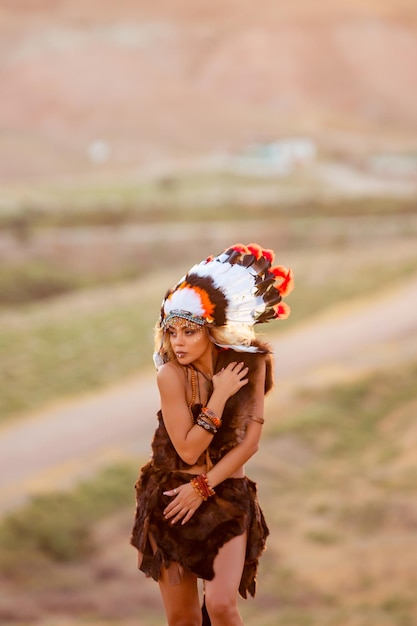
point(137, 138)
point(96, 90)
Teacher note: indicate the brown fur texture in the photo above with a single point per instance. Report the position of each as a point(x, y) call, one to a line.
point(194, 546)
point(231, 512)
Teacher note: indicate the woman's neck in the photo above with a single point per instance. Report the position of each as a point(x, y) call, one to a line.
point(206, 365)
point(204, 369)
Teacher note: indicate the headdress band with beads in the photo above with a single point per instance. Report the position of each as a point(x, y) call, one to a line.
point(178, 315)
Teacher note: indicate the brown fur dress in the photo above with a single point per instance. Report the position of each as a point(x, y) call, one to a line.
point(231, 512)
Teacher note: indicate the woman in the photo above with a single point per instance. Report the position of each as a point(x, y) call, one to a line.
point(197, 513)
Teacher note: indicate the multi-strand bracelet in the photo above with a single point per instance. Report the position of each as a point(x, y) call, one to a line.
point(208, 426)
point(211, 416)
point(208, 420)
point(201, 485)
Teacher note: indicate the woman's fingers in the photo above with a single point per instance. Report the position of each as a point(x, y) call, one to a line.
point(179, 512)
point(239, 372)
point(183, 505)
point(170, 512)
point(173, 505)
point(176, 516)
point(188, 516)
point(235, 366)
point(234, 369)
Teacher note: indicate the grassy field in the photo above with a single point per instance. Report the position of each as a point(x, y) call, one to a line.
point(75, 345)
point(338, 483)
point(88, 341)
point(337, 473)
point(184, 197)
point(62, 346)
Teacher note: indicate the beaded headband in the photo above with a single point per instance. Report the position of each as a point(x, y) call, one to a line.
point(185, 317)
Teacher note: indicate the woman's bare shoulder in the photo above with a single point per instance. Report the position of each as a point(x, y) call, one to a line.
point(169, 372)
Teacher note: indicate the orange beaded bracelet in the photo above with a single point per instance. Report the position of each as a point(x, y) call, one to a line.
point(202, 486)
point(211, 416)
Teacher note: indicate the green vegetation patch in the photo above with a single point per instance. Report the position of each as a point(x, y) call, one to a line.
point(315, 293)
point(59, 527)
point(25, 282)
point(344, 419)
point(337, 510)
point(98, 337)
point(196, 197)
point(76, 345)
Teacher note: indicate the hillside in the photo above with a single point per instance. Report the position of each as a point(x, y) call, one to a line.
point(164, 80)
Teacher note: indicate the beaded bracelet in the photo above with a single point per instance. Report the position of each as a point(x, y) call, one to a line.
point(211, 416)
point(201, 485)
point(209, 427)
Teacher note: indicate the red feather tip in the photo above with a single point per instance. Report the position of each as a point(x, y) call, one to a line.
point(269, 255)
point(255, 249)
point(239, 247)
point(279, 271)
point(282, 310)
point(287, 284)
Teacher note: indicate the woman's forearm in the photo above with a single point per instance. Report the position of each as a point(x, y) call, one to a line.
point(197, 440)
point(236, 457)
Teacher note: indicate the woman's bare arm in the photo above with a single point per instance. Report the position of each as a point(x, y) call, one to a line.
point(186, 500)
point(188, 439)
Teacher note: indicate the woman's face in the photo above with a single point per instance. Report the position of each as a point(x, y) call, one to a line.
point(190, 344)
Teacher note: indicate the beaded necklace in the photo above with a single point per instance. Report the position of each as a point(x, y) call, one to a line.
point(193, 391)
point(209, 463)
point(195, 386)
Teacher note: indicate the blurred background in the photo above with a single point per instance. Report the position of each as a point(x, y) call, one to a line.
point(137, 138)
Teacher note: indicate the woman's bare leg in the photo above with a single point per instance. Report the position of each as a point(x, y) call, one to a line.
point(181, 601)
point(222, 591)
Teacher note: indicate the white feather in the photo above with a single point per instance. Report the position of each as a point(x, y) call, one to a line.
point(186, 299)
point(238, 284)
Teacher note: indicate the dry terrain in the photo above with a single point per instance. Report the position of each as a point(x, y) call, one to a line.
point(101, 88)
point(310, 566)
point(115, 120)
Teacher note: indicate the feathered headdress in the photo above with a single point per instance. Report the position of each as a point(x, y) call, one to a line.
point(239, 286)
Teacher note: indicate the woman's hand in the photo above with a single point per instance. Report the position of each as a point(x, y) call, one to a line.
point(185, 503)
point(230, 379)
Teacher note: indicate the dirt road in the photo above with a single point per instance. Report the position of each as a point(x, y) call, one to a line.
point(66, 443)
